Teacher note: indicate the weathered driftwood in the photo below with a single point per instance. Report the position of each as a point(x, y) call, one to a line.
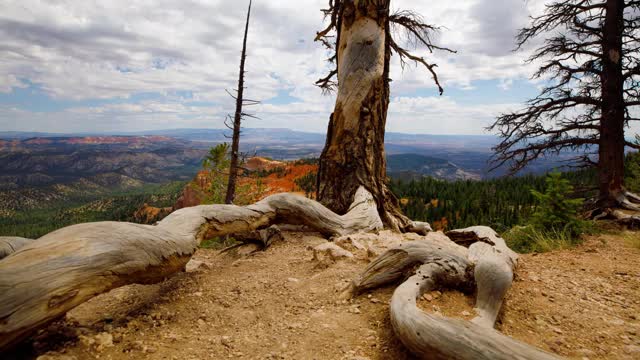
point(488, 264)
point(11, 244)
point(50, 276)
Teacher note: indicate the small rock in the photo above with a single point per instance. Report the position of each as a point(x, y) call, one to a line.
point(616, 321)
point(226, 341)
point(632, 349)
point(171, 336)
point(195, 266)
point(466, 313)
point(103, 340)
point(427, 297)
point(330, 250)
point(375, 301)
point(117, 337)
point(201, 322)
point(586, 352)
point(293, 280)
point(197, 293)
point(86, 340)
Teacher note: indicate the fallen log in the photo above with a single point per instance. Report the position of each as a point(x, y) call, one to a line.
point(45, 279)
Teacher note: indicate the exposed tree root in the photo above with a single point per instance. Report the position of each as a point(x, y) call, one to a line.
point(488, 264)
point(628, 200)
point(46, 278)
point(630, 221)
point(632, 197)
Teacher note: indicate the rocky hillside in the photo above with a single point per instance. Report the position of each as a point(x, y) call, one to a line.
point(37, 171)
point(414, 166)
point(262, 177)
point(45, 161)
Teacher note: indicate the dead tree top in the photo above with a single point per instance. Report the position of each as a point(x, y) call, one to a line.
point(404, 27)
point(566, 114)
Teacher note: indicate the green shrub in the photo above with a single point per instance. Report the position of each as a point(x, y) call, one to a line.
point(217, 243)
point(528, 239)
point(555, 223)
point(307, 183)
point(632, 171)
point(555, 211)
point(217, 163)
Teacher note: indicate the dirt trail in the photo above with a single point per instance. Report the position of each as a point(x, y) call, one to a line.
point(281, 304)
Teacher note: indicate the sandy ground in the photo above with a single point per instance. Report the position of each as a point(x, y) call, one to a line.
point(282, 304)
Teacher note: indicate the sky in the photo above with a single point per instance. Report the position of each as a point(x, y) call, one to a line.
point(134, 65)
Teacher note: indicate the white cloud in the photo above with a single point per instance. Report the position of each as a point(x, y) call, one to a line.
point(118, 48)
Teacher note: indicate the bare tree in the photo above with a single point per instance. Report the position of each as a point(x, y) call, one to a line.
point(237, 119)
point(590, 55)
point(362, 36)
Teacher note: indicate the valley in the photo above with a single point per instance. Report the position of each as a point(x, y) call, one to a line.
point(73, 178)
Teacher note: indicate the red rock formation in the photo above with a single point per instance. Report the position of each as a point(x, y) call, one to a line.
point(194, 193)
point(149, 214)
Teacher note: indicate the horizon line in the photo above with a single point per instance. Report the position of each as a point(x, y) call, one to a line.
point(142, 132)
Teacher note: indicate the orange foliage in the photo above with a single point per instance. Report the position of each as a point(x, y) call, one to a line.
point(440, 225)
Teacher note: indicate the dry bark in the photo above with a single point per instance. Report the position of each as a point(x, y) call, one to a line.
point(613, 117)
point(61, 270)
point(354, 153)
point(487, 264)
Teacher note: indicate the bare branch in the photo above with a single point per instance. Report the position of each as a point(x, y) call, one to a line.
point(418, 33)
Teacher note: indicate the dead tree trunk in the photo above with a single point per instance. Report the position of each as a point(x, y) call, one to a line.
point(50, 276)
point(237, 120)
point(354, 153)
point(612, 143)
